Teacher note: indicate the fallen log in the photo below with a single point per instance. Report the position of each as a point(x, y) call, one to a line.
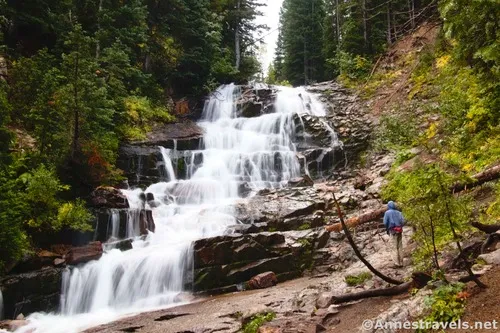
point(487, 228)
point(357, 220)
point(478, 179)
point(419, 280)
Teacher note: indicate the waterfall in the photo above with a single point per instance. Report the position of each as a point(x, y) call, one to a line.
point(167, 164)
point(258, 152)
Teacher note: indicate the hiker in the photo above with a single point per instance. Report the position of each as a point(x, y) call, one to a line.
point(393, 222)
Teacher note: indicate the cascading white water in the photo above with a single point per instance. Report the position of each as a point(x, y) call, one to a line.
point(258, 152)
point(114, 222)
point(167, 164)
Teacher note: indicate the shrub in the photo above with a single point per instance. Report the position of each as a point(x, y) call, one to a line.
point(446, 304)
point(257, 321)
point(356, 280)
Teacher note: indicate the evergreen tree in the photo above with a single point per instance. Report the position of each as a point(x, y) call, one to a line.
point(303, 40)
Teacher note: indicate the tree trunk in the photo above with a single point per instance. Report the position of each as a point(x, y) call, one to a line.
point(337, 17)
point(98, 44)
point(356, 250)
point(365, 32)
point(357, 220)
point(487, 228)
point(478, 179)
point(76, 129)
point(419, 280)
point(305, 59)
point(412, 13)
point(237, 47)
point(389, 37)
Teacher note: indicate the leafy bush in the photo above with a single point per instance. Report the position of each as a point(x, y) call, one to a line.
point(257, 321)
point(74, 215)
point(356, 280)
point(395, 132)
point(141, 115)
point(353, 67)
point(447, 303)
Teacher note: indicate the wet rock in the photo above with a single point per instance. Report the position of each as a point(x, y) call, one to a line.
point(108, 197)
point(324, 300)
point(59, 262)
point(13, 325)
point(82, 254)
point(122, 245)
point(301, 181)
point(269, 329)
point(31, 292)
point(314, 131)
point(250, 109)
point(184, 135)
point(263, 280)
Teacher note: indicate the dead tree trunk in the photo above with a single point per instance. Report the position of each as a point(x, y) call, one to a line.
point(478, 179)
point(487, 228)
point(419, 280)
point(355, 221)
point(356, 250)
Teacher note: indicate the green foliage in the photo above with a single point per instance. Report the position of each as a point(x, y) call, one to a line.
point(257, 321)
point(353, 67)
point(446, 304)
point(30, 208)
point(474, 25)
point(492, 213)
point(305, 226)
point(396, 131)
point(141, 115)
point(356, 280)
point(73, 215)
point(426, 200)
point(45, 211)
point(5, 135)
point(13, 239)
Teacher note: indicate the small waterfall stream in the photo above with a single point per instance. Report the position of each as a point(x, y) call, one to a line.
point(258, 152)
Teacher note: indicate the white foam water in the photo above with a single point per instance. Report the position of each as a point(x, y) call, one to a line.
point(258, 152)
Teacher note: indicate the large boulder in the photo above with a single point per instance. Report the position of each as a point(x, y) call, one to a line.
point(184, 135)
point(108, 197)
point(263, 280)
point(83, 254)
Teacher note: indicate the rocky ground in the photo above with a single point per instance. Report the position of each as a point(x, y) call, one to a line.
point(301, 305)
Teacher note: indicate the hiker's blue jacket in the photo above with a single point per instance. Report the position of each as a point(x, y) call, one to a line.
point(392, 217)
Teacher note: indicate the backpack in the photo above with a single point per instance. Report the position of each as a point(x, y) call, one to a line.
point(397, 230)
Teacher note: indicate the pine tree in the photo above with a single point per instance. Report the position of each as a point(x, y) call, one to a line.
point(303, 40)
